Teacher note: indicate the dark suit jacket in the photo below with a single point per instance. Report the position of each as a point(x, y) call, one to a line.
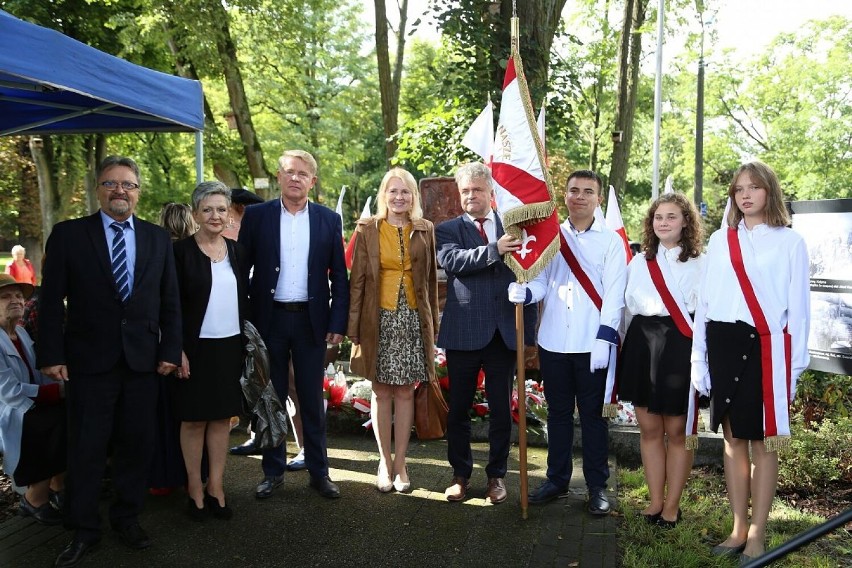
point(195, 278)
point(260, 236)
point(98, 328)
point(477, 282)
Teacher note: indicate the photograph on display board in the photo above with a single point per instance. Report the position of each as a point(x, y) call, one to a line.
point(827, 229)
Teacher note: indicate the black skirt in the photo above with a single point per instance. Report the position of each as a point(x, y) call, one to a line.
point(733, 356)
point(43, 444)
point(212, 391)
point(653, 371)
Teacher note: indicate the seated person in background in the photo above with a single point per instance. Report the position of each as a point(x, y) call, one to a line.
point(32, 410)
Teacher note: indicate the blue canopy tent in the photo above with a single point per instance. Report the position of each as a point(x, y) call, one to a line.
point(53, 84)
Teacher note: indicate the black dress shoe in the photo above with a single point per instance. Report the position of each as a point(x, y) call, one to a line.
point(133, 536)
point(73, 554)
point(665, 524)
point(268, 485)
point(219, 511)
point(45, 514)
point(325, 487)
point(194, 513)
point(598, 501)
point(247, 448)
point(546, 492)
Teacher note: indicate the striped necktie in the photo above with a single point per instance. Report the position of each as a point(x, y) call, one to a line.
point(119, 260)
point(480, 224)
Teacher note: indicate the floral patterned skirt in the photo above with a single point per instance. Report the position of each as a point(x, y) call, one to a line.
point(401, 360)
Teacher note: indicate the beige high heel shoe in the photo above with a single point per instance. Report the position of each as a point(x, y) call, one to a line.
point(400, 485)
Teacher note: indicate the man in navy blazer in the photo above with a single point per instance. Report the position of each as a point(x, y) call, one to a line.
point(118, 329)
point(299, 302)
point(478, 329)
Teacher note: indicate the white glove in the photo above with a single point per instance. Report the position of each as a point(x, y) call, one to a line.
point(699, 374)
point(517, 293)
point(600, 355)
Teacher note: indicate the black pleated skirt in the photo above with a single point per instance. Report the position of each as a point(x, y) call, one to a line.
point(733, 355)
point(212, 391)
point(653, 370)
point(43, 444)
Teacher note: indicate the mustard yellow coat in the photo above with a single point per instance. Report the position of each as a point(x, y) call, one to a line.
point(364, 293)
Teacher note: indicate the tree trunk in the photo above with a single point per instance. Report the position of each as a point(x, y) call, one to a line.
point(95, 149)
point(390, 79)
point(42, 158)
point(236, 92)
point(629, 54)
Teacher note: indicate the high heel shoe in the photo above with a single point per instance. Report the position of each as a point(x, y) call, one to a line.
point(194, 513)
point(383, 480)
point(666, 524)
point(400, 485)
point(219, 511)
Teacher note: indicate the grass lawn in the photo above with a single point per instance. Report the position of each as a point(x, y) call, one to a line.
point(707, 521)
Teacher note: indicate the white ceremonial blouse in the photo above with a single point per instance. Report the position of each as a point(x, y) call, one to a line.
point(781, 264)
point(569, 319)
point(641, 297)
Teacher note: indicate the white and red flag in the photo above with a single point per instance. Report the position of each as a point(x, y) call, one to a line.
point(339, 211)
point(522, 183)
point(614, 222)
point(350, 248)
point(480, 136)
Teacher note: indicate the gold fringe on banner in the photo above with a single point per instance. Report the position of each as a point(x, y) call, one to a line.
point(691, 442)
point(526, 213)
point(610, 410)
point(527, 275)
point(777, 443)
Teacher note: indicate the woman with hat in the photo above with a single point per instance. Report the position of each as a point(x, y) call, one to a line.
point(32, 410)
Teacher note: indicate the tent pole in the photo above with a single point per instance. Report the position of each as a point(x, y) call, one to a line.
point(199, 157)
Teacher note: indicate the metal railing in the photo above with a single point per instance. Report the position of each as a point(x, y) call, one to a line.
point(801, 539)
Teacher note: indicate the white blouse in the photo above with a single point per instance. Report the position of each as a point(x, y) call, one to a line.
point(641, 297)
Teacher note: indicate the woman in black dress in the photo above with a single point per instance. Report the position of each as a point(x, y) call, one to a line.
point(661, 295)
point(214, 305)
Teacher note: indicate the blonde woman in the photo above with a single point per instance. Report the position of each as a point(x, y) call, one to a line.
point(393, 316)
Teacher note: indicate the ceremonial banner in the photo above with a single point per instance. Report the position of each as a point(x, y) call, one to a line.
point(522, 183)
point(350, 248)
point(614, 222)
point(480, 136)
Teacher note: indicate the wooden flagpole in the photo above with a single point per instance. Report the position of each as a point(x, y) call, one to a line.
point(522, 407)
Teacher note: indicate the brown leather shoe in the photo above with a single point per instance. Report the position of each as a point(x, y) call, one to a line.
point(496, 491)
point(457, 489)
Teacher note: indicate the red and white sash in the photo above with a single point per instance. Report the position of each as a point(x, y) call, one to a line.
point(581, 268)
point(672, 296)
point(775, 344)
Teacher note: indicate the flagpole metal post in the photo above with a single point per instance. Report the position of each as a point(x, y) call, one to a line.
point(658, 101)
point(522, 407)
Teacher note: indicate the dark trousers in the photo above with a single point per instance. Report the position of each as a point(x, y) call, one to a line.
point(463, 367)
point(567, 380)
point(291, 337)
point(119, 406)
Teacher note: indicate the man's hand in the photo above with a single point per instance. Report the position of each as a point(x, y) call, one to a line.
point(600, 355)
point(56, 372)
point(517, 293)
point(699, 374)
point(507, 244)
point(333, 338)
point(165, 368)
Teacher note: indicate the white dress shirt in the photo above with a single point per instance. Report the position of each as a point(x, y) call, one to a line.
point(570, 322)
point(292, 283)
point(222, 318)
point(489, 225)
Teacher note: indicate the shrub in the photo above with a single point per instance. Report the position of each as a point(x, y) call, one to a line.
point(818, 455)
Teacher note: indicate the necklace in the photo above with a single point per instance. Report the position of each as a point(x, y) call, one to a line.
point(219, 255)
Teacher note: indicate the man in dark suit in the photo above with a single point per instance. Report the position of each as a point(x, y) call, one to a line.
point(117, 275)
point(478, 329)
point(299, 302)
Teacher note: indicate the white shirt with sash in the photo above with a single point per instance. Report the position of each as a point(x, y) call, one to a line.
point(776, 262)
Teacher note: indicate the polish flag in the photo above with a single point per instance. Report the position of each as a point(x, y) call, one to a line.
point(480, 136)
point(615, 223)
point(339, 211)
point(669, 188)
point(350, 248)
point(522, 183)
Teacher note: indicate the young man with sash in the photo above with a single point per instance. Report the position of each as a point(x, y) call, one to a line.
point(582, 291)
point(654, 369)
point(750, 345)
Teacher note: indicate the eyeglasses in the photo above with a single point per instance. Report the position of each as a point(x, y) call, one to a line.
point(302, 175)
point(111, 185)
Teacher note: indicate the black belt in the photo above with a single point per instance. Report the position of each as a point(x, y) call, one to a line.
point(291, 306)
